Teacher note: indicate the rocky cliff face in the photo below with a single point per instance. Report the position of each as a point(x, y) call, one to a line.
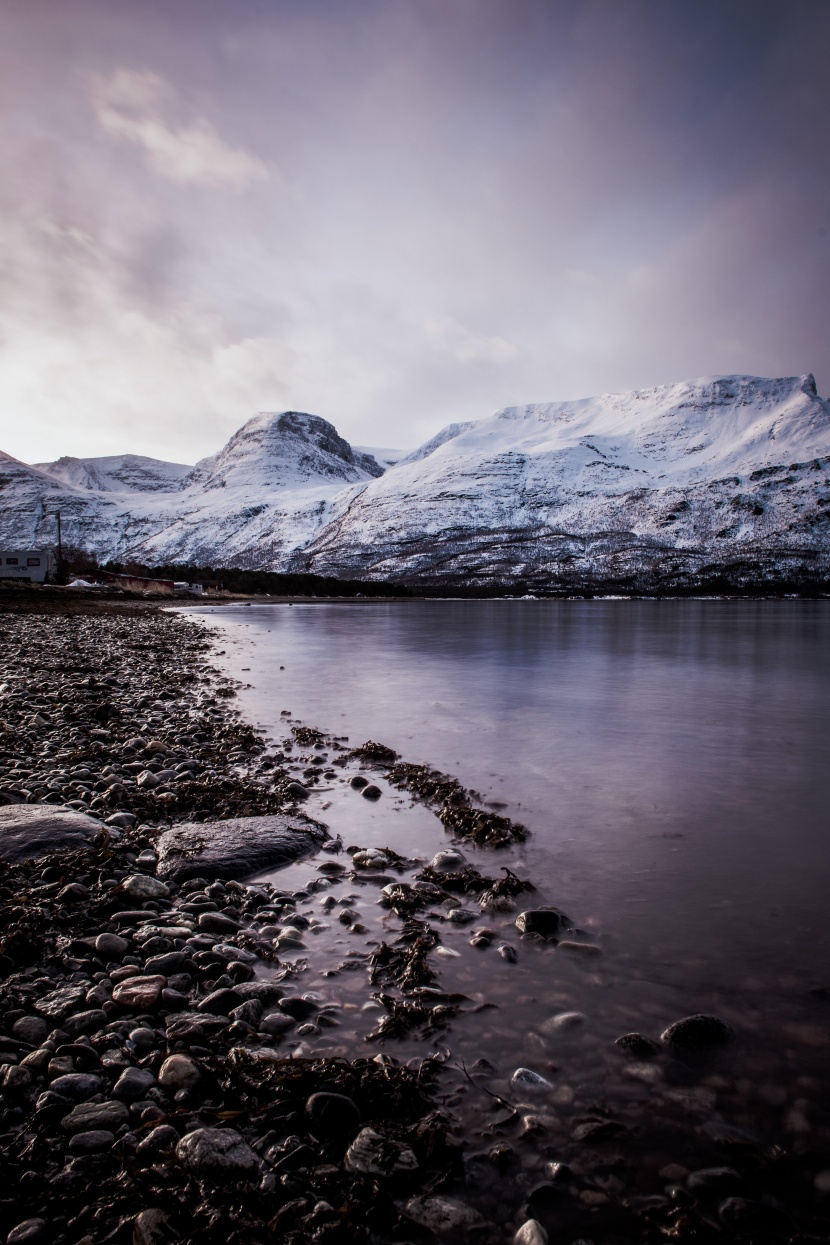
point(664, 488)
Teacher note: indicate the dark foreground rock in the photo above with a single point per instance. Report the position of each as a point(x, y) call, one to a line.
point(235, 848)
point(30, 830)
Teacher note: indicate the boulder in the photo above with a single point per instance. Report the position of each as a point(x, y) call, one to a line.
point(547, 922)
point(30, 830)
point(235, 848)
point(218, 1153)
point(695, 1035)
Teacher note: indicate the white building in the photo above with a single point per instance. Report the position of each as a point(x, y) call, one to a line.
point(34, 565)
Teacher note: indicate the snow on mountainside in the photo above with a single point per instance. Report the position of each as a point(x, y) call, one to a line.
point(118, 473)
point(656, 486)
point(660, 488)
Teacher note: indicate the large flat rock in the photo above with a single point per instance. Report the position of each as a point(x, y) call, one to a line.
point(236, 848)
point(29, 830)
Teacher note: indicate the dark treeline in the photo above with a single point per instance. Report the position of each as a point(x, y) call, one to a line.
point(235, 579)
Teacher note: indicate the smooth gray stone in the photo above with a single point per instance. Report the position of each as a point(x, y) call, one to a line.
point(30, 830)
point(236, 848)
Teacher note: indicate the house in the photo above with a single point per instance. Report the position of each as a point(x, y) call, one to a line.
point(34, 565)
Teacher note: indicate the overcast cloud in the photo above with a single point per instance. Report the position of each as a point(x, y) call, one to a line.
point(398, 213)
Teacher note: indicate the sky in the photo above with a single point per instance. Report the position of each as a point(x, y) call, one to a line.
point(398, 213)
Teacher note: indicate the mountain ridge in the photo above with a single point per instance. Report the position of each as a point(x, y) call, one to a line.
point(654, 486)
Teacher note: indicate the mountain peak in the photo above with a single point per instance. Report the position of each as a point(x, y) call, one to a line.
point(285, 449)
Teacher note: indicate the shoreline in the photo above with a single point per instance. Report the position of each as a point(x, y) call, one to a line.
point(208, 971)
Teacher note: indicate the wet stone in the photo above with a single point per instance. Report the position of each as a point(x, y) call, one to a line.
point(371, 1154)
point(179, 1072)
point(331, 1115)
point(30, 1029)
point(637, 1046)
point(217, 1153)
point(59, 1003)
point(164, 1137)
point(141, 888)
point(139, 993)
point(89, 1021)
point(133, 1084)
point(111, 945)
point(442, 1215)
point(92, 1142)
point(531, 1233)
point(697, 1034)
point(549, 923)
point(90, 1116)
point(152, 1227)
point(714, 1181)
point(29, 1232)
point(77, 1085)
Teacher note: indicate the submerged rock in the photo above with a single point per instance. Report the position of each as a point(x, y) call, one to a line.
point(547, 922)
point(30, 830)
point(697, 1034)
point(235, 848)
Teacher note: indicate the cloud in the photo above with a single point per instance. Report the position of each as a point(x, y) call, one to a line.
point(450, 336)
point(129, 105)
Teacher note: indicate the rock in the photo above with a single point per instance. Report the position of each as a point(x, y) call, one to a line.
point(752, 1217)
point(217, 1152)
point(166, 964)
point(89, 1021)
point(74, 893)
point(113, 946)
point(92, 1142)
point(249, 1012)
point(276, 1023)
point(133, 1084)
point(547, 922)
point(697, 1034)
point(179, 1072)
point(563, 1022)
point(374, 1155)
point(531, 1233)
point(139, 993)
point(77, 1085)
point(713, 1181)
point(141, 888)
point(588, 950)
point(164, 1137)
point(219, 1002)
point(371, 792)
point(152, 1227)
point(442, 1214)
point(195, 1024)
point(121, 821)
point(218, 923)
point(59, 1003)
point(298, 1007)
point(90, 1116)
point(463, 916)
point(449, 859)
point(637, 1046)
point(358, 782)
point(30, 1029)
point(29, 1232)
point(14, 1078)
point(529, 1080)
point(331, 1115)
point(31, 830)
point(234, 848)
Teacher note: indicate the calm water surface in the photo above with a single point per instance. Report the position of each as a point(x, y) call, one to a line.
point(670, 758)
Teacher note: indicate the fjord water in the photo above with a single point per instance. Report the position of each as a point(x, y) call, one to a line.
point(670, 761)
point(670, 758)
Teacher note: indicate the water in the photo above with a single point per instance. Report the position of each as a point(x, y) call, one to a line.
point(670, 761)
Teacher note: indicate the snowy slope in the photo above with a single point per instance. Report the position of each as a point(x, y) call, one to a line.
point(118, 473)
point(667, 481)
point(665, 487)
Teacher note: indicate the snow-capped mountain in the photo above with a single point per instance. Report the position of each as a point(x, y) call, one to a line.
point(660, 485)
point(664, 487)
point(118, 473)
